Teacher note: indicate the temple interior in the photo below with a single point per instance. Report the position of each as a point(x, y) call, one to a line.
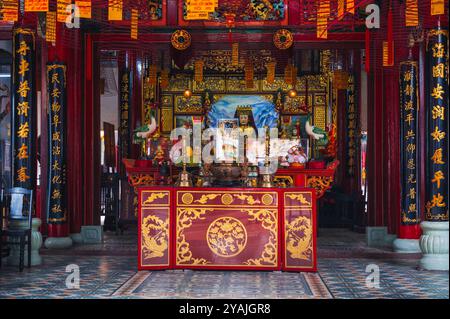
point(277, 149)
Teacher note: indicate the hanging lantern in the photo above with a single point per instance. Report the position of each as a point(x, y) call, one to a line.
point(341, 9)
point(85, 8)
point(198, 71)
point(62, 13)
point(411, 13)
point(36, 6)
point(271, 72)
point(164, 79)
point(134, 24)
point(230, 23)
point(50, 24)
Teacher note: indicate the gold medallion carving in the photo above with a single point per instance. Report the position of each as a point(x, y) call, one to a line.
point(227, 199)
point(267, 199)
point(226, 237)
point(299, 238)
point(283, 39)
point(187, 198)
point(181, 39)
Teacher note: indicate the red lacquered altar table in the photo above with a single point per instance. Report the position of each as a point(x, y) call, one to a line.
point(227, 228)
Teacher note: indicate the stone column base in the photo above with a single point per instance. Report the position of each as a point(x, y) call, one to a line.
point(406, 246)
point(76, 238)
point(434, 245)
point(58, 242)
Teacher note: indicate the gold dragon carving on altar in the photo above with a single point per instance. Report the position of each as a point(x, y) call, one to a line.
point(320, 184)
point(155, 236)
point(141, 179)
point(299, 238)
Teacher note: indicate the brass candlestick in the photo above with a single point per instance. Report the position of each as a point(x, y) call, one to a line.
point(266, 177)
point(244, 169)
point(184, 178)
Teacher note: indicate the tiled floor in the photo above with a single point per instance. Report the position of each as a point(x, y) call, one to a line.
point(109, 271)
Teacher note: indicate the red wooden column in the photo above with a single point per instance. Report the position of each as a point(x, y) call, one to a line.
point(375, 143)
point(91, 134)
point(74, 126)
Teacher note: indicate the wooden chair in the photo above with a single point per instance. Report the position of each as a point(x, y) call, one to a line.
point(17, 206)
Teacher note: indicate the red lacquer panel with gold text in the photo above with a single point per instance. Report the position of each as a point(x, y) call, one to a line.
point(154, 228)
point(224, 229)
point(299, 230)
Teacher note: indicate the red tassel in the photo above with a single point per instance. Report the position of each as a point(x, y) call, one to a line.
point(390, 37)
point(367, 63)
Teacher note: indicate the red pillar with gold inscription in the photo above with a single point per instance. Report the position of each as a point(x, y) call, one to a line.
point(409, 230)
point(56, 195)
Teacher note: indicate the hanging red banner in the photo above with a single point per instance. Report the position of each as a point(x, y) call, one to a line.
point(388, 55)
point(322, 19)
point(437, 7)
point(351, 6)
point(390, 38)
point(411, 13)
point(62, 11)
point(36, 5)
point(134, 24)
point(115, 10)
point(10, 10)
point(50, 24)
point(85, 9)
point(341, 9)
